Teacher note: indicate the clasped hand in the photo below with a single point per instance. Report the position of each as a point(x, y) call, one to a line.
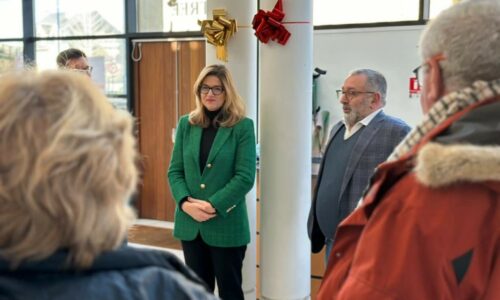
point(200, 210)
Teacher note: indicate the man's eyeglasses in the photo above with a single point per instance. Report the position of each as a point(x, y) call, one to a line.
point(419, 73)
point(216, 90)
point(420, 70)
point(351, 93)
point(87, 70)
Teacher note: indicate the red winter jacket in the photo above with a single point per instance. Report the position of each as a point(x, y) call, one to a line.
point(429, 227)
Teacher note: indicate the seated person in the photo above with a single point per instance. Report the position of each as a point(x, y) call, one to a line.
point(67, 170)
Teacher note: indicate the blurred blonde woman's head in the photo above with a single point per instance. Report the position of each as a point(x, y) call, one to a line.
point(67, 168)
point(233, 109)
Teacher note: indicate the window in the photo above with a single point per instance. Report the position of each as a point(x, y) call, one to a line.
point(11, 19)
point(436, 6)
point(106, 56)
point(170, 15)
point(11, 56)
point(335, 12)
point(119, 102)
point(57, 18)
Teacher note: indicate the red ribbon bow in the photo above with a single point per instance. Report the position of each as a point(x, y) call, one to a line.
point(267, 25)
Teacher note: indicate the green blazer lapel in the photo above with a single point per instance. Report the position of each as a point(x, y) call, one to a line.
point(220, 138)
point(194, 143)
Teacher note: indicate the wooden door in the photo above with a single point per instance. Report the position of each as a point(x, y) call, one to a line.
point(163, 80)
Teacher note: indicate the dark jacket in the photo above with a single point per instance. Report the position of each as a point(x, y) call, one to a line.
point(374, 145)
point(126, 273)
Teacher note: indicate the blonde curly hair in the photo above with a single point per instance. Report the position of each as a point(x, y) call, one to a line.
point(67, 168)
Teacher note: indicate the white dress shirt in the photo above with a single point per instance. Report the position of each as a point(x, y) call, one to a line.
point(350, 132)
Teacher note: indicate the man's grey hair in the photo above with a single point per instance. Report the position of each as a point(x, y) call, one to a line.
point(375, 81)
point(468, 35)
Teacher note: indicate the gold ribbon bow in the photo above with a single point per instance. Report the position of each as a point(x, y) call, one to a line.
point(218, 31)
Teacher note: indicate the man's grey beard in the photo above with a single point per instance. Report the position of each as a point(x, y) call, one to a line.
point(351, 118)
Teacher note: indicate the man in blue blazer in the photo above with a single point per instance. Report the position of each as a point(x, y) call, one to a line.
point(363, 140)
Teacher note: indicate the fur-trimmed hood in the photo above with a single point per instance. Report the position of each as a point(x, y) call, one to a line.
point(440, 165)
point(466, 151)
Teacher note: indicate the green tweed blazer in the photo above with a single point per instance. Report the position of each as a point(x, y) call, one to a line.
point(227, 177)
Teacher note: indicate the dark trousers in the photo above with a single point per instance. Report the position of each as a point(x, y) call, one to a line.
point(221, 263)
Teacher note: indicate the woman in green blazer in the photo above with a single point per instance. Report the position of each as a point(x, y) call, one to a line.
point(211, 170)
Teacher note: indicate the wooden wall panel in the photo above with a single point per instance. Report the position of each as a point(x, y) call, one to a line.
point(163, 92)
point(315, 284)
point(318, 263)
point(156, 118)
point(191, 62)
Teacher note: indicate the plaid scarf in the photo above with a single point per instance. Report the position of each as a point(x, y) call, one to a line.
point(445, 108)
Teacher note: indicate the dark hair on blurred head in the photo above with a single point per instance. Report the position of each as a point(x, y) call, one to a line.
point(64, 56)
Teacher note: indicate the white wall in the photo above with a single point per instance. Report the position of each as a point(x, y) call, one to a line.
point(390, 50)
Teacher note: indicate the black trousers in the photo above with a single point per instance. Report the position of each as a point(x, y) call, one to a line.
point(221, 263)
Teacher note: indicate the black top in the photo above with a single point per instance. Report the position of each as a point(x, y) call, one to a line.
point(207, 138)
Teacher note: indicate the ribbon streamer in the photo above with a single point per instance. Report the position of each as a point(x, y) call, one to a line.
point(218, 31)
point(268, 25)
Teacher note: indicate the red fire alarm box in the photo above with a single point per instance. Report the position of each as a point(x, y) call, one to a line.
point(414, 87)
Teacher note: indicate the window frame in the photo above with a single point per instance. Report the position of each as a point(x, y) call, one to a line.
point(29, 39)
point(423, 18)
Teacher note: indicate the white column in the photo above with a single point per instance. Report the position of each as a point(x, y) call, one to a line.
point(285, 182)
point(242, 62)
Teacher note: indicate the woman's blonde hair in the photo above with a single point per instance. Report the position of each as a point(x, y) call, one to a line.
point(233, 109)
point(67, 168)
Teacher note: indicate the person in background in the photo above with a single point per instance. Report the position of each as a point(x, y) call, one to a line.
point(67, 168)
point(360, 142)
point(429, 226)
point(74, 59)
point(212, 168)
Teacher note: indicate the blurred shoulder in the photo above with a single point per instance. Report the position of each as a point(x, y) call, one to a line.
point(395, 122)
point(158, 283)
point(184, 119)
point(245, 123)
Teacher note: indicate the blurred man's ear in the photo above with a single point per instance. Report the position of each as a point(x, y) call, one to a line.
point(376, 102)
point(433, 87)
point(436, 84)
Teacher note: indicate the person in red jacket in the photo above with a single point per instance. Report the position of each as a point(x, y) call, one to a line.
point(429, 224)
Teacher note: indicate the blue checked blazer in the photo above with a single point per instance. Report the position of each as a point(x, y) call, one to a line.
point(375, 143)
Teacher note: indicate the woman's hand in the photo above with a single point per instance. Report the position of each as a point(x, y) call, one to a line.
point(199, 210)
point(204, 205)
